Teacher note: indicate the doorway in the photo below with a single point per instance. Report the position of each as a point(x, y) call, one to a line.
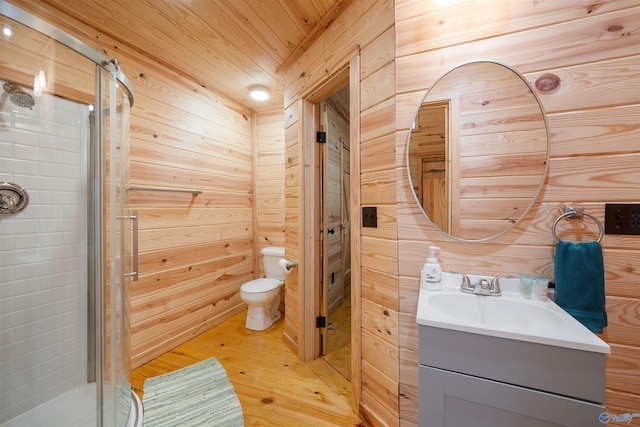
point(334, 291)
point(310, 241)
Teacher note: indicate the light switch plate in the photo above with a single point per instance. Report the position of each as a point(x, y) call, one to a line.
point(370, 216)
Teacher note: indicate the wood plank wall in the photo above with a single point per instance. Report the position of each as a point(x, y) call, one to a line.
point(368, 24)
point(195, 251)
point(269, 185)
point(269, 169)
point(594, 118)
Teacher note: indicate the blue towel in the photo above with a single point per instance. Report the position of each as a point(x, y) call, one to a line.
point(580, 283)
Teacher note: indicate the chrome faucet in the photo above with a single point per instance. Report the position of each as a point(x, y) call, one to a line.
point(482, 287)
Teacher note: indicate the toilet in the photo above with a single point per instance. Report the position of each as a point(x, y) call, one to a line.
point(263, 295)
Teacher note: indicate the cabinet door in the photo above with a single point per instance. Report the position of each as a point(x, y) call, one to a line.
point(457, 400)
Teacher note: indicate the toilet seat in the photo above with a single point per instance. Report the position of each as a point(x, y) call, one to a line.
point(262, 285)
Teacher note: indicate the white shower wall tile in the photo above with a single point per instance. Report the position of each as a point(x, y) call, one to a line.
point(22, 241)
point(34, 267)
point(18, 137)
point(26, 330)
point(69, 237)
point(70, 159)
point(19, 167)
point(18, 287)
point(6, 149)
point(58, 170)
point(59, 114)
point(33, 124)
point(60, 143)
point(26, 152)
point(6, 306)
point(6, 335)
point(28, 374)
point(6, 244)
point(15, 257)
point(42, 255)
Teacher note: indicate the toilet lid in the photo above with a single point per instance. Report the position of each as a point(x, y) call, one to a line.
point(260, 285)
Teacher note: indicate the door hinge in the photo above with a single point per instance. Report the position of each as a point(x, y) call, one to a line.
point(321, 137)
point(321, 322)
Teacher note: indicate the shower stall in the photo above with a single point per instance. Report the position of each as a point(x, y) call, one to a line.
point(67, 237)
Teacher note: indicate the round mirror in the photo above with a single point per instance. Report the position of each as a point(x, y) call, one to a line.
point(477, 151)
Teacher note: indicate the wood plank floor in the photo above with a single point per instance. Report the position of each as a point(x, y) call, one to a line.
point(273, 386)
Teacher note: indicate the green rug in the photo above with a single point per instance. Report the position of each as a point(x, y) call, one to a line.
point(196, 396)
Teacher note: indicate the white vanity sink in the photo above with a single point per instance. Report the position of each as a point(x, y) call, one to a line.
point(507, 316)
point(506, 313)
point(505, 360)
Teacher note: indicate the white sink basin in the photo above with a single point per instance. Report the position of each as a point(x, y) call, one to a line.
point(507, 316)
point(493, 311)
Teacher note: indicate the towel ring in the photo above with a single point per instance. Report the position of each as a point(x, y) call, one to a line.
point(570, 212)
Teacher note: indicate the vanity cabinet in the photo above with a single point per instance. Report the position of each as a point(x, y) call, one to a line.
point(473, 380)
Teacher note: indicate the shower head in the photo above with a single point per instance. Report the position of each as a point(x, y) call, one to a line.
point(19, 96)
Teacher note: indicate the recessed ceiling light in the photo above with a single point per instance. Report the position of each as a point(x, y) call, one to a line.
point(259, 94)
point(7, 31)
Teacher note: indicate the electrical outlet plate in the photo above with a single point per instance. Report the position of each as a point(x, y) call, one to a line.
point(622, 218)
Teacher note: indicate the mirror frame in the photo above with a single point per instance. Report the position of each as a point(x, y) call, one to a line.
point(542, 177)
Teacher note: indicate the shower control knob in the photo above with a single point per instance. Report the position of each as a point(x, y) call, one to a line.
point(13, 198)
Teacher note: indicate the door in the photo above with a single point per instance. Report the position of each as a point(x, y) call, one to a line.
point(452, 399)
point(332, 208)
point(119, 250)
point(336, 257)
point(346, 220)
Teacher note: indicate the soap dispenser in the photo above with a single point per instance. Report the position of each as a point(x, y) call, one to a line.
point(431, 273)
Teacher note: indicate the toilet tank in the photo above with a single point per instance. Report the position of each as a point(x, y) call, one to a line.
point(271, 255)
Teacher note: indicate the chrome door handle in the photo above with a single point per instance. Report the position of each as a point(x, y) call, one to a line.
point(134, 243)
point(134, 249)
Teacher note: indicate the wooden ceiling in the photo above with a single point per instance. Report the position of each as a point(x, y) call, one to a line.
point(228, 46)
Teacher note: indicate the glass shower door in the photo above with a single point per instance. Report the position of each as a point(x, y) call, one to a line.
point(65, 254)
point(120, 231)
